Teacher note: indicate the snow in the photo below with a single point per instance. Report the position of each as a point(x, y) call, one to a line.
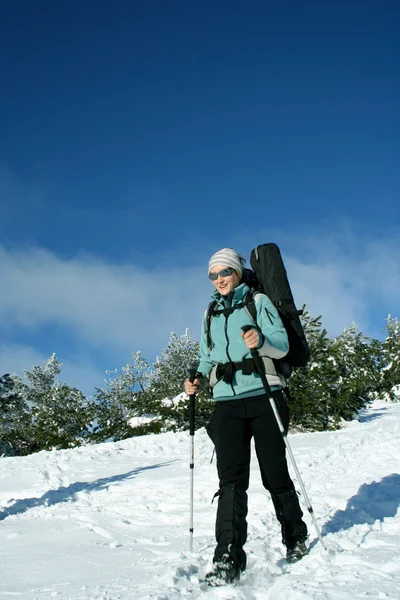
point(111, 521)
point(176, 400)
point(142, 420)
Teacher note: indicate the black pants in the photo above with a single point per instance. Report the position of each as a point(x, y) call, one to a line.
point(231, 428)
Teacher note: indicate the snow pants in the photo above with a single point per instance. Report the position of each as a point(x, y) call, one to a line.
point(232, 426)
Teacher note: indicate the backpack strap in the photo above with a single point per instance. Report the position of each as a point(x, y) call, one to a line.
point(209, 316)
point(248, 305)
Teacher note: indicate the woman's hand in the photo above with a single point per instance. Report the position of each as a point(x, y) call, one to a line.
point(251, 338)
point(191, 388)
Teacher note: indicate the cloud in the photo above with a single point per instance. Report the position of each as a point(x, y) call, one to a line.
point(101, 304)
point(116, 308)
point(345, 282)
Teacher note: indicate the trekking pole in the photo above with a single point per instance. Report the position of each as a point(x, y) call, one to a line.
point(261, 371)
point(192, 398)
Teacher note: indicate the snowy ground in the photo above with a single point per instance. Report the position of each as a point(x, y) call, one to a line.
point(111, 521)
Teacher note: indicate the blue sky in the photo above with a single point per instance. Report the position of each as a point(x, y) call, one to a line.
point(137, 138)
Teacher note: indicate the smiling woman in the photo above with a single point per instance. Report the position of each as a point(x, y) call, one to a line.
point(225, 278)
point(242, 412)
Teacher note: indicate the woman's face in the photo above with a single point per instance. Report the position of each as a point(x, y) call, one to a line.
point(224, 284)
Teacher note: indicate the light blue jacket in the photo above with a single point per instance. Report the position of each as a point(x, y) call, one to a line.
point(228, 345)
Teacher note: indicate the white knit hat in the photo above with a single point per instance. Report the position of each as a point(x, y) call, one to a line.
point(226, 258)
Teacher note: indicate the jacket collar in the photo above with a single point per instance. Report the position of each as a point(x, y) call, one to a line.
point(235, 297)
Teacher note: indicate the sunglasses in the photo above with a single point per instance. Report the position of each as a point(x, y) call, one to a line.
point(224, 273)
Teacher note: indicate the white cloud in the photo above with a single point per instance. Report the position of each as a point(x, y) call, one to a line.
point(322, 288)
point(121, 308)
point(360, 284)
point(117, 306)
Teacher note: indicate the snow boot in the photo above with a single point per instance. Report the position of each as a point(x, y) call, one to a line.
point(225, 571)
point(296, 551)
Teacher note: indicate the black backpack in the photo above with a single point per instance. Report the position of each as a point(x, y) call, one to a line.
point(268, 276)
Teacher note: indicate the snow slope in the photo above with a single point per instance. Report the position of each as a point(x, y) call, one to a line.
point(111, 521)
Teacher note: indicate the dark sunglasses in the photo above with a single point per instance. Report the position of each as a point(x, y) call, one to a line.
point(224, 273)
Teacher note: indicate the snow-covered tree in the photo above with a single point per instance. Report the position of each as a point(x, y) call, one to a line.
point(358, 371)
point(341, 378)
point(178, 359)
point(312, 387)
point(59, 416)
point(125, 395)
point(156, 390)
point(173, 366)
point(14, 418)
point(390, 374)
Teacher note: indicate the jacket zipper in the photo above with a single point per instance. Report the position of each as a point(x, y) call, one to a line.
point(268, 315)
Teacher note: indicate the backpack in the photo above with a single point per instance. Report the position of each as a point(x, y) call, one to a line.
point(268, 276)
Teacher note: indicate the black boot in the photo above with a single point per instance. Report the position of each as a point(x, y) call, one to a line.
point(225, 570)
point(296, 551)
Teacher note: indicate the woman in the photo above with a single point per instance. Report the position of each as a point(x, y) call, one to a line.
point(243, 411)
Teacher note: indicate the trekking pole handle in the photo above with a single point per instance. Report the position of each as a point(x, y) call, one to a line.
point(192, 376)
point(253, 351)
point(258, 362)
point(245, 329)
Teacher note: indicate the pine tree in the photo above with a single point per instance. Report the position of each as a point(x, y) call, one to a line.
point(61, 419)
point(144, 390)
point(170, 371)
point(59, 416)
point(358, 371)
point(125, 395)
point(313, 388)
point(344, 374)
point(174, 364)
point(15, 418)
point(390, 372)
